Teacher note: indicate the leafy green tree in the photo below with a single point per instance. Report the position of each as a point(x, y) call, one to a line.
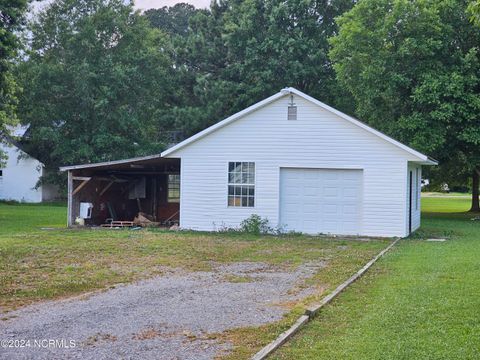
point(11, 18)
point(413, 68)
point(173, 20)
point(278, 43)
point(242, 51)
point(97, 83)
point(474, 10)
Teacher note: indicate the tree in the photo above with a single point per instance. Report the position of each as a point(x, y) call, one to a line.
point(242, 51)
point(474, 10)
point(11, 17)
point(278, 43)
point(413, 68)
point(97, 83)
point(173, 20)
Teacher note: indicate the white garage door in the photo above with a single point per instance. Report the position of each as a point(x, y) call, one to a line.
point(321, 200)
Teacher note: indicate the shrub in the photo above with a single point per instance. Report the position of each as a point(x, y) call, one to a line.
point(255, 224)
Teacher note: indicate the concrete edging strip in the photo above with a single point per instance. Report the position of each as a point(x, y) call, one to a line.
point(312, 311)
point(267, 350)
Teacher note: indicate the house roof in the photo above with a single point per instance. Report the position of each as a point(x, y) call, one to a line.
point(14, 136)
point(424, 159)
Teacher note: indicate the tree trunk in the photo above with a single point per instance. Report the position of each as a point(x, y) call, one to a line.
point(475, 191)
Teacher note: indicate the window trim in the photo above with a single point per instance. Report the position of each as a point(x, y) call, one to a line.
point(294, 115)
point(254, 184)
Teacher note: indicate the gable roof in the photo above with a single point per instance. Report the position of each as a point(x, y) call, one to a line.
point(424, 159)
point(13, 137)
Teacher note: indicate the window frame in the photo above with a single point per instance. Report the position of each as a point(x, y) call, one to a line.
point(253, 184)
point(169, 199)
point(294, 115)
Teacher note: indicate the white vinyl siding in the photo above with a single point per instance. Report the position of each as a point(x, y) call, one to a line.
point(20, 176)
point(317, 139)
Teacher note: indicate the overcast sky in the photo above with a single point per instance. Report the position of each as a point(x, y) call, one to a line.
point(149, 4)
point(143, 4)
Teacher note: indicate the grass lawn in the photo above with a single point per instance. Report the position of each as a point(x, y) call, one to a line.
point(40, 259)
point(421, 301)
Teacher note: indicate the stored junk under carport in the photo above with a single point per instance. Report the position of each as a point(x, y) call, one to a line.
point(137, 191)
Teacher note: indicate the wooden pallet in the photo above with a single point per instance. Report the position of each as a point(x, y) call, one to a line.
point(117, 224)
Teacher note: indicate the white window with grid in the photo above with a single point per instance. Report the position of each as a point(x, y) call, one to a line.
point(241, 184)
point(173, 188)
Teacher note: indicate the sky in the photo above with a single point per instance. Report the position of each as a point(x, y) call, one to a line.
point(153, 4)
point(142, 4)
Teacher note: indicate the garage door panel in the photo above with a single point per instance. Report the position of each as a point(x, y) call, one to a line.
point(310, 208)
point(331, 191)
point(349, 209)
point(321, 200)
point(311, 191)
point(331, 209)
point(349, 193)
point(329, 175)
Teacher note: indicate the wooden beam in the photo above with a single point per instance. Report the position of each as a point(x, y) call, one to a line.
point(122, 172)
point(82, 178)
point(85, 178)
point(69, 199)
point(106, 187)
point(171, 216)
point(79, 187)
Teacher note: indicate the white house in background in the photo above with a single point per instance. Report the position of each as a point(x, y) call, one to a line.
point(302, 164)
point(20, 174)
point(289, 158)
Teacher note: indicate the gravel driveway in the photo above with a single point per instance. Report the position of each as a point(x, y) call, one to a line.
point(167, 317)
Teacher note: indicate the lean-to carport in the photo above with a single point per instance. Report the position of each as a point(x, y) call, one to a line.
point(120, 190)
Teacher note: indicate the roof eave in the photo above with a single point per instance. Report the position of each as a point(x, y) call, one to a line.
point(107, 163)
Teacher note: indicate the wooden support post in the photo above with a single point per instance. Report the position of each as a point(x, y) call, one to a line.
point(79, 187)
point(70, 199)
point(154, 200)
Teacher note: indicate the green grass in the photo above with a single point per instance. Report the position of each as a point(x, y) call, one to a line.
point(27, 217)
point(443, 194)
point(421, 301)
point(453, 204)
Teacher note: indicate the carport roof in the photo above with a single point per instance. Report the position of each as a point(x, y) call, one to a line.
point(141, 159)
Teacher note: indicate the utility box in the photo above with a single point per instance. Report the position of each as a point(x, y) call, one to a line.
point(86, 210)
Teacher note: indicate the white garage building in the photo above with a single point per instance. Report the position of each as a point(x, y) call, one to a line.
point(303, 165)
